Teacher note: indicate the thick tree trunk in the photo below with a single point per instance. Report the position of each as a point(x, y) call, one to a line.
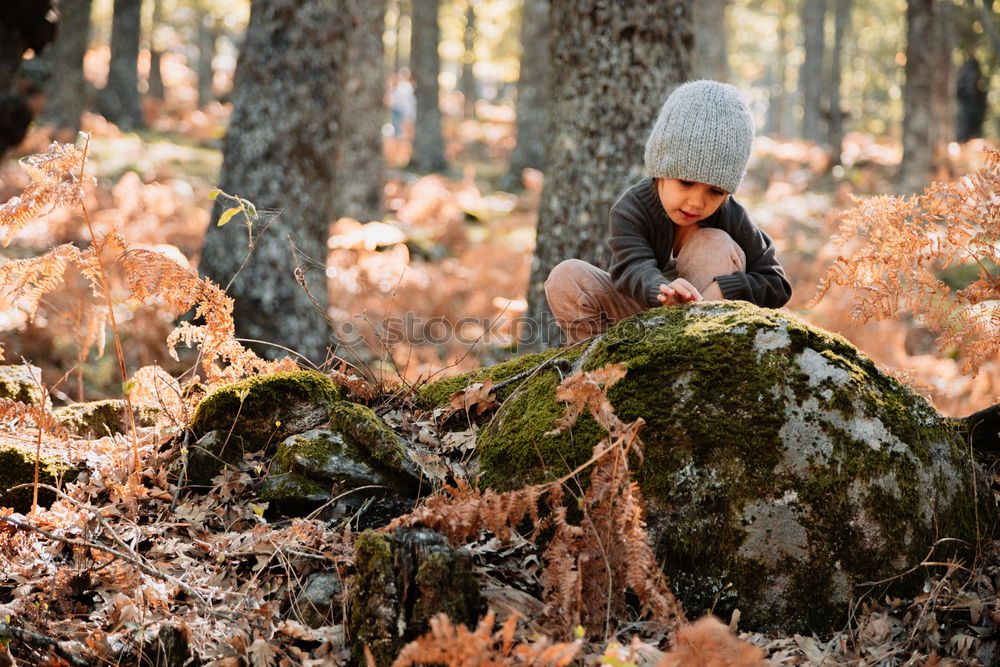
point(281, 152)
point(613, 65)
point(206, 53)
point(971, 94)
point(119, 101)
point(67, 88)
point(532, 89)
point(943, 104)
point(468, 83)
point(361, 178)
point(811, 71)
point(709, 60)
point(428, 145)
point(918, 110)
point(841, 27)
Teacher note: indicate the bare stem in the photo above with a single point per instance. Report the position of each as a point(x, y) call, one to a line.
point(114, 325)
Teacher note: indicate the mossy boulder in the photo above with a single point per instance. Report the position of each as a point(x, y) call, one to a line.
point(17, 466)
point(782, 469)
point(359, 451)
point(100, 418)
point(20, 383)
point(256, 414)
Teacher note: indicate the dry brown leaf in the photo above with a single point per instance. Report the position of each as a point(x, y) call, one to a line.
point(475, 399)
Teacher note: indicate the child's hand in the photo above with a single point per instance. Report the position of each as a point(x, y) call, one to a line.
point(678, 292)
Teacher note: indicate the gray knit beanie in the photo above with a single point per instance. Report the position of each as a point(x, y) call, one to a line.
point(704, 133)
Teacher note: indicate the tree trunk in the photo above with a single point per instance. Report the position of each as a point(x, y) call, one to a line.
point(777, 97)
point(67, 88)
point(155, 55)
point(532, 89)
point(361, 177)
point(428, 145)
point(468, 85)
point(971, 94)
point(613, 65)
point(119, 101)
point(206, 53)
point(709, 59)
point(281, 152)
point(841, 26)
point(943, 105)
point(811, 71)
point(918, 110)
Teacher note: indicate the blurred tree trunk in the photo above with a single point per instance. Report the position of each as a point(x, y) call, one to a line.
point(918, 106)
point(206, 53)
point(155, 55)
point(971, 94)
point(532, 89)
point(841, 27)
point(361, 176)
point(613, 65)
point(943, 103)
point(811, 71)
point(709, 59)
point(468, 84)
point(119, 100)
point(777, 95)
point(281, 152)
point(428, 144)
point(67, 88)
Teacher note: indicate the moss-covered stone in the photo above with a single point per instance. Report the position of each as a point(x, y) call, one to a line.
point(257, 414)
point(100, 418)
point(20, 383)
point(268, 408)
point(402, 581)
point(17, 466)
point(781, 466)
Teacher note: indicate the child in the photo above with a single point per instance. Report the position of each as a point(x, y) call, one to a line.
point(678, 236)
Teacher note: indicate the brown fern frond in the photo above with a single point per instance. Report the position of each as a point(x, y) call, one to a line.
point(25, 281)
point(14, 414)
point(897, 245)
point(53, 184)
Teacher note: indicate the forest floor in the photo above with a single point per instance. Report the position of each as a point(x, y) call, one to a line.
point(454, 249)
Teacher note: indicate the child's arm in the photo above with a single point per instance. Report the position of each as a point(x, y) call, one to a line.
point(635, 267)
point(763, 282)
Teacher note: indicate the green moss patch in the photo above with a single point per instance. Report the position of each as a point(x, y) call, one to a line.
point(268, 408)
point(17, 466)
point(20, 383)
point(101, 418)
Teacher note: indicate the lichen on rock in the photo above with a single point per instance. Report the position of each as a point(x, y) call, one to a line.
point(781, 468)
point(21, 383)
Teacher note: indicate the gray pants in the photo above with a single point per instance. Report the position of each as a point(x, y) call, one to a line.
point(586, 302)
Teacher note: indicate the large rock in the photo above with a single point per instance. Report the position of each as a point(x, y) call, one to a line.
point(782, 468)
point(96, 419)
point(256, 414)
point(21, 383)
point(17, 467)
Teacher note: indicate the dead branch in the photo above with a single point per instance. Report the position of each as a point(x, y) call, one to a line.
point(42, 642)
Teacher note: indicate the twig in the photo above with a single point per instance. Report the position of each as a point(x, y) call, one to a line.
point(191, 592)
point(8, 631)
point(555, 362)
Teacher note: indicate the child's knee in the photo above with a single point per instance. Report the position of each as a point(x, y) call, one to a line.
point(711, 244)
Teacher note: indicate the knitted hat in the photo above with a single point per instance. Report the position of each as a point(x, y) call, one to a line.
point(704, 133)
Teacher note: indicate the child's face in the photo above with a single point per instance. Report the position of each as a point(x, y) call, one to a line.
point(688, 202)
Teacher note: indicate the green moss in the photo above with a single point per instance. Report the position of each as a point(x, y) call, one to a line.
point(17, 466)
point(291, 486)
point(445, 585)
point(100, 418)
point(20, 383)
point(375, 601)
point(438, 393)
point(267, 408)
point(366, 432)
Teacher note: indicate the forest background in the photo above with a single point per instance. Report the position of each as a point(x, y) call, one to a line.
point(445, 283)
point(412, 248)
